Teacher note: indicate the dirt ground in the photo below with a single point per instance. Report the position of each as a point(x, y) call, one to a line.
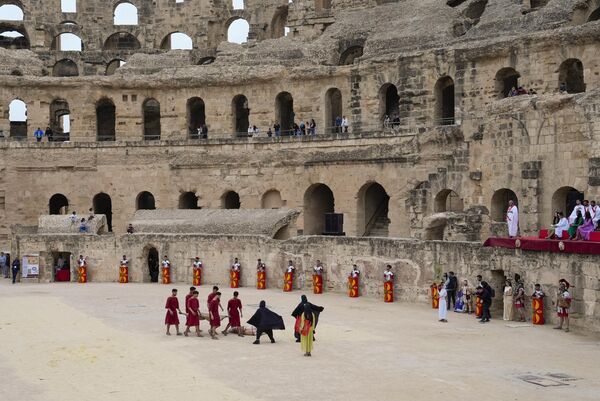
point(106, 341)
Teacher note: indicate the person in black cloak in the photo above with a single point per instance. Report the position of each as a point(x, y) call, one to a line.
point(266, 321)
point(298, 312)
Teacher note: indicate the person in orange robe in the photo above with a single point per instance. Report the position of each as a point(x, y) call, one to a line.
point(193, 316)
point(172, 307)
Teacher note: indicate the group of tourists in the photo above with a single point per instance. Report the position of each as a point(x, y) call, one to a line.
point(14, 269)
point(264, 321)
point(581, 222)
point(462, 300)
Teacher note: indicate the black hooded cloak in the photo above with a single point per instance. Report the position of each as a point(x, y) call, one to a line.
point(265, 319)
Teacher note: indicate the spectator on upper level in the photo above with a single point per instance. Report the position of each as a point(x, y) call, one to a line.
point(204, 131)
point(49, 134)
point(277, 129)
point(312, 127)
point(521, 91)
point(338, 124)
point(39, 134)
point(296, 129)
point(562, 88)
point(130, 229)
point(250, 130)
point(302, 128)
point(269, 132)
point(255, 131)
point(345, 124)
point(73, 217)
point(83, 227)
point(513, 92)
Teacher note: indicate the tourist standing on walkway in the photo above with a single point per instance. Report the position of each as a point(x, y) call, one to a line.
point(16, 266)
point(512, 219)
point(508, 301)
point(563, 302)
point(39, 134)
point(265, 322)
point(3, 266)
point(172, 307)
point(442, 306)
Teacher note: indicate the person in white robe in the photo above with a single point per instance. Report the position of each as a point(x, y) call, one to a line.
point(442, 306)
point(573, 215)
point(512, 219)
point(558, 228)
point(594, 212)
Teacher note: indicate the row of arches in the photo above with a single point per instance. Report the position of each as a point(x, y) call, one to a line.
point(59, 121)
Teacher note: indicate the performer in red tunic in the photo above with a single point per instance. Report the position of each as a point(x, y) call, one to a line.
point(234, 311)
point(172, 307)
point(193, 316)
point(213, 313)
point(189, 295)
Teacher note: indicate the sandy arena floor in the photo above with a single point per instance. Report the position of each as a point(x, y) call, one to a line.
point(91, 342)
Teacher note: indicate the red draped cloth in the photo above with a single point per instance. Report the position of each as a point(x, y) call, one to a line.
point(193, 309)
point(233, 308)
point(172, 306)
point(213, 308)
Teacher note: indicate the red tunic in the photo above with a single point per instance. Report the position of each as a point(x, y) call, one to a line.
point(193, 309)
point(213, 308)
point(210, 298)
point(233, 308)
point(172, 306)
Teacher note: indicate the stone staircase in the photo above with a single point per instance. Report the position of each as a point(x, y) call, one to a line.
point(379, 226)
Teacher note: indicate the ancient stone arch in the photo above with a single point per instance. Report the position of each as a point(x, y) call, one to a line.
point(58, 204)
point(105, 120)
point(372, 210)
point(318, 200)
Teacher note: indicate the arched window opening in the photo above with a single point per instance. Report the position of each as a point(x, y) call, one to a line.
point(17, 116)
point(122, 41)
point(373, 207)
point(103, 205)
point(151, 111)
point(318, 201)
point(278, 22)
point(389, 105)
point(196, 117)
point(145, 201)
point(177, 41)
point(565, 199)
point(188, 200)
point(241, 115)
point(230, 200)
point(11, 12)
point(60, 120)
point(112, 67)
point(570, 74)
point(333, 109)
point(206, 60)
point(125, 14)
point(284, 112)
point(237, 4)
point(448, 201)
point(507, 79)
point(105, 120)
point(500, 203)
point(271, 200)
point(238, 30)
point(13, 39)
point(595, 15)
point(444, 101)
point(68, 6)
point(67, 42)
point(351, 54)
point(58, 204)
point(65, 68)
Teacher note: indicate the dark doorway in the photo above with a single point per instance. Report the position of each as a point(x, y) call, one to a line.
point(151, 110)
point(196, 116)
point(60, 120)
point(231, 200)
point(145, 201)
point(333, 108)
point(58, 204)
point(61, 266)
point(103, 205)
point(444, 101)
point(506, 79)
point(564, 200)
point(65, 68)
point(390, 103)
point(105, 120)
point(188, 200)
point(499, 205)
point(241, 115)
point(571, 74)
point(284, 106)
point(318, 200)
point(153, 265)
point(373, 205)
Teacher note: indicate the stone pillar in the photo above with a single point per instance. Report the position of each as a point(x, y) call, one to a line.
point(530, 198)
